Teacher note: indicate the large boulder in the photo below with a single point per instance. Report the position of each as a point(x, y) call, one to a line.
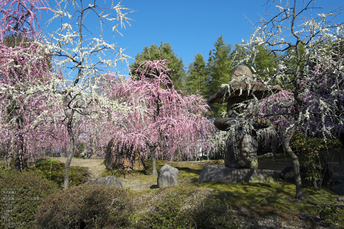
point(108, 181)
point(338, 189)
point(338, 186)
point(168, 176)
point(217, 173)
point(121, 157)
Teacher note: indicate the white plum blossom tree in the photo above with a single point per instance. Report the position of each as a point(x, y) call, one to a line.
point(315, 103)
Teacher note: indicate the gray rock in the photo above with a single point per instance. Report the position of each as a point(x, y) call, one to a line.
point(168, 176)
point(338, 189)
point(340, 198)
point(339, 180)
point(109, 181)
point(217, 173)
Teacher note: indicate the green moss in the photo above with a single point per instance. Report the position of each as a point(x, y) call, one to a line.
point(254, 164)
point(122, 173)
point(275, 198)
point(54, 171)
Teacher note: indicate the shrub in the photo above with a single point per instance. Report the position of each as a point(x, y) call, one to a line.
point(167, 214)
point(328, 212)
point(86, 206)
point(54, 171)
point(315, 164)
point(20, 196)
point(213, 213)
point(177, 210)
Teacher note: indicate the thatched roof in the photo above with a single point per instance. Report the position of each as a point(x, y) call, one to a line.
point(241, 90)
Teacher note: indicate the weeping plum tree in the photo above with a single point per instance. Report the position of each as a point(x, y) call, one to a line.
point(24, 68)
point(65, 89)
point(315, 103)
point(171, 123)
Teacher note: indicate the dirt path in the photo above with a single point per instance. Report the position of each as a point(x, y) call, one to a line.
point(95, 166)
point(138, 183)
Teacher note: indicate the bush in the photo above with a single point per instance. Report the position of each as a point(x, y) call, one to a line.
point(54, 171)
point(20, 196)
point(86, 206)
point(213, 213)
point(310, 147)
point(328, 212)
point(167, 214)
point(177, 211)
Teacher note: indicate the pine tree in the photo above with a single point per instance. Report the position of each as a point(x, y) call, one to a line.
point(197, 78)
point(163, 52)
point(265, 63)
point(220, 67)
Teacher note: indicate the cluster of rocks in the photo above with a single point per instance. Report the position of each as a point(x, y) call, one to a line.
point(217, 173)
point(167, 176)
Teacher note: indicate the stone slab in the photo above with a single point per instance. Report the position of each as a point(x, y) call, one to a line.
point(217, 173)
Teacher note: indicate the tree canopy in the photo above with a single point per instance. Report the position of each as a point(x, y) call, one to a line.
point(162, 52)
point(172, 126)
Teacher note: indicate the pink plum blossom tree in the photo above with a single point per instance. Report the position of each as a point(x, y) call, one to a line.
point(172, 123)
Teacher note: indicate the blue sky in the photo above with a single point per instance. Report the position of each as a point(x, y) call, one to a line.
point(193, 26)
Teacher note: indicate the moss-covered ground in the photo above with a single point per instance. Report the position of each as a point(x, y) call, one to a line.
point(275, 199)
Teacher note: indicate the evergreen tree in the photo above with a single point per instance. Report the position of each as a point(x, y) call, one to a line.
point(163, 52)
point(220, 67)
point(197, 78)
point(238, 55)
point(265, 63)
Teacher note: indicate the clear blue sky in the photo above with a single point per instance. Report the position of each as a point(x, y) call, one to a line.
point(193, 26)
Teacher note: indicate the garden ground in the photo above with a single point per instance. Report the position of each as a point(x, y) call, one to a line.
point(266, 214)
point(240, 199)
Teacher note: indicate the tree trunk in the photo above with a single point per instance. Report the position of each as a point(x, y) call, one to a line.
point(154, 170)
point(295, 161)
point(70, 153)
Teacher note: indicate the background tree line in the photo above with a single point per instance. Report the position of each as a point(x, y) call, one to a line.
point(206, 77)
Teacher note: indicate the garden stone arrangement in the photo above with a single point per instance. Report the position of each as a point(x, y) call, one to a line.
point(241, 154)
point(108, 181)
point(216, 173)
point(168, 176)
